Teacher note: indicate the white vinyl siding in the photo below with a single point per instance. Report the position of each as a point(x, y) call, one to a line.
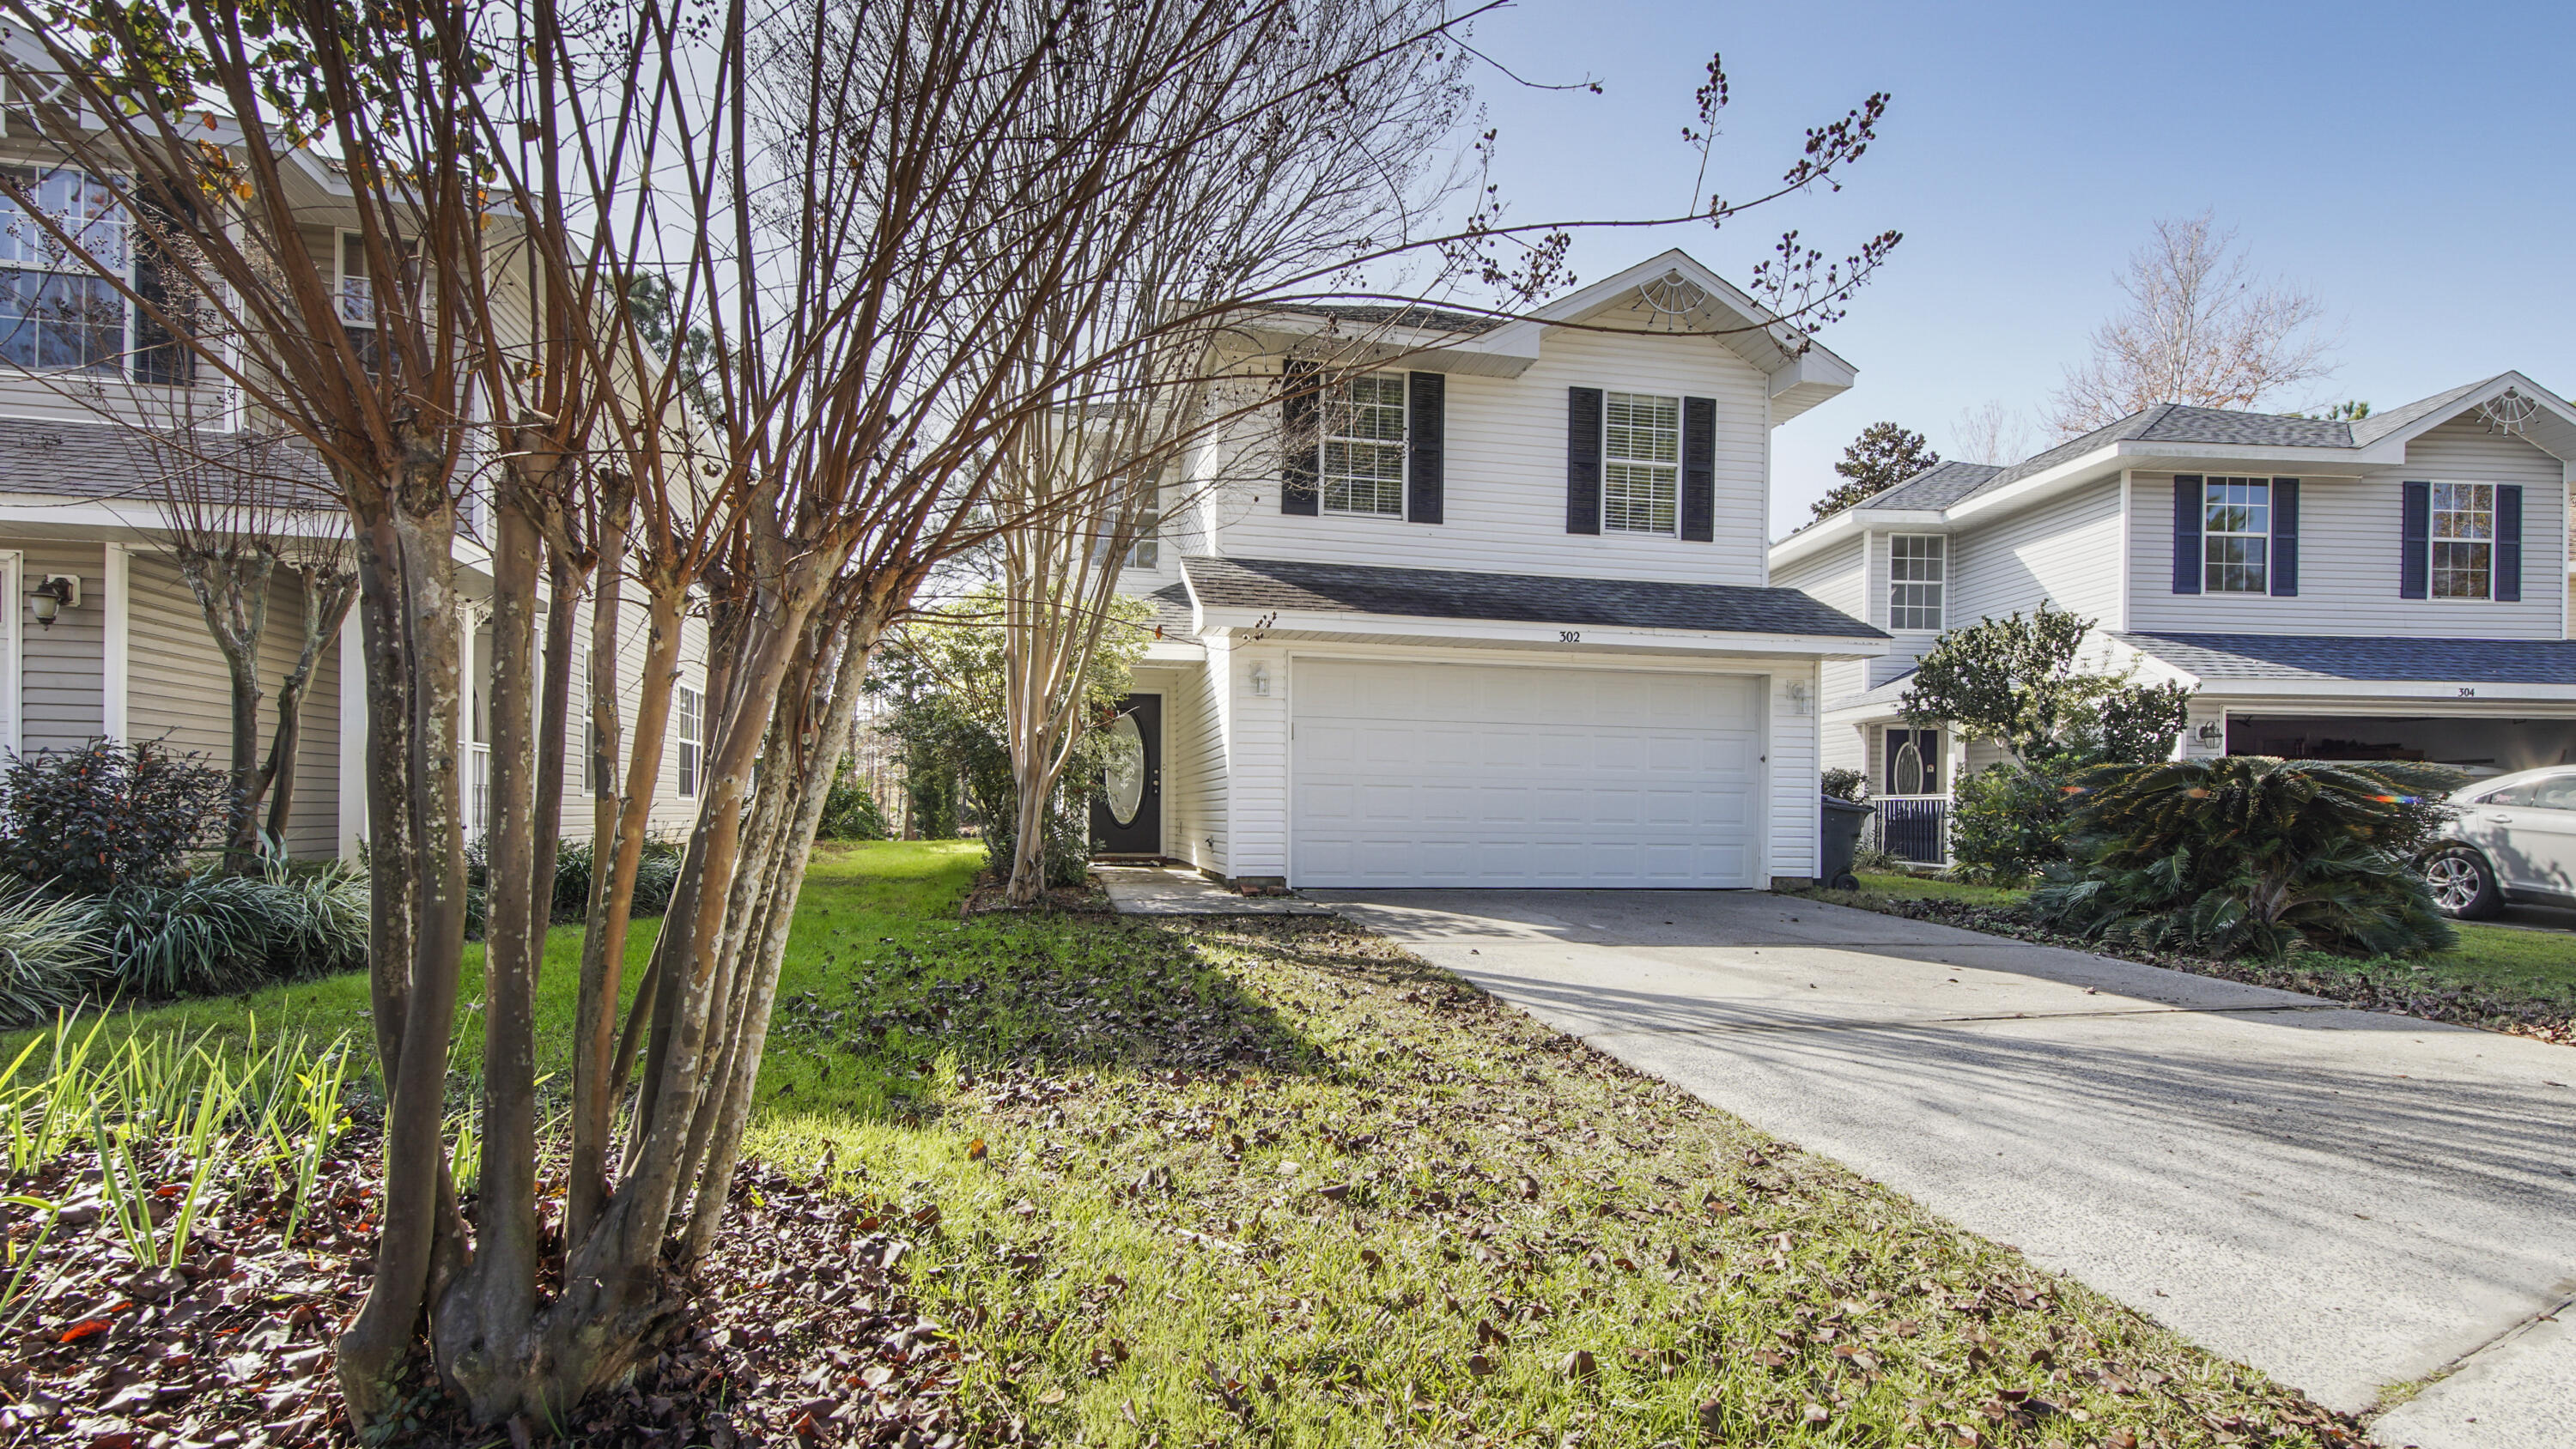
point(61, 704)
point(1641, 456)
point(1832, 576)
point(2351, 543)
point(1504, 494)
point(1917, 573)
point(2065, 551)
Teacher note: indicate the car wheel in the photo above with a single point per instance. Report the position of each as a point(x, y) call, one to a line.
point(2463, 884)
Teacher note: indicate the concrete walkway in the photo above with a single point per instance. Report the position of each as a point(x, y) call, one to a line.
point(2349, 1201)
point(1166, 890)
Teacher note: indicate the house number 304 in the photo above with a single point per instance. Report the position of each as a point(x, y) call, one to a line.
point(2467, 693)
point(1569, 636)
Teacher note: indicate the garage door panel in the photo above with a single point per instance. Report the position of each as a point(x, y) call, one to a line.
point(1500, 776)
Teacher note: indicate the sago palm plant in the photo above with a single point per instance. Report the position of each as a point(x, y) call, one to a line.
point(2250, 855)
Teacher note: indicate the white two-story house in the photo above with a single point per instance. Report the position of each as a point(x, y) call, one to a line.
point(1496, 614)
point(2389, 588)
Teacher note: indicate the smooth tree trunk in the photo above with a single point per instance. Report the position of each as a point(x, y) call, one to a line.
point(413, 678)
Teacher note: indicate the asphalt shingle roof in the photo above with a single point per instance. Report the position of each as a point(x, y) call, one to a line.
point(1266, 584)
point(1888, 693)
point(2326, 658)
point(76, 459)
point(1938, 486)
point(1430, 319)
point(1172, 611)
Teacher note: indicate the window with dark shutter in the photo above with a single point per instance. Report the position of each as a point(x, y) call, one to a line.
point(1427, 437)
point(1300, 442)
point(2285, 538)
point(1699, 469)
point(2186, 534)
point(1583, 460)
point(2415, 541)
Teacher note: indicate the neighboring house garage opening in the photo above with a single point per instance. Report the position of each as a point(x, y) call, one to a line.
point(2483, 746)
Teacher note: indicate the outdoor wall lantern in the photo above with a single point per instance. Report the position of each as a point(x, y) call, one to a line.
point(2208, 732)
point(57, 593)
point(1260, 682)
point(1799, 702)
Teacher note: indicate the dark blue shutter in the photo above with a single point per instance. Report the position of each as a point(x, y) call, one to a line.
point(2186, 559)
point(1583, 460)
point(1302, 445)
point(2415, 537)
point(1426, 436)
point(1699, 469)
point(2285, 538)
point(2508, 543)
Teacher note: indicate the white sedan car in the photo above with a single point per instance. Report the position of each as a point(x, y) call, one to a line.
point(2514, 840)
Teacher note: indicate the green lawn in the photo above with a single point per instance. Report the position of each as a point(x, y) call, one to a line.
point(1276, 1182)
point(2511, 966)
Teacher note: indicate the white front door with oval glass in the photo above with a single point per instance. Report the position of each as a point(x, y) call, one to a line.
point(1418, 774)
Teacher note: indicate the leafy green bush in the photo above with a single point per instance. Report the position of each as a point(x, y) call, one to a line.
point(850, 812)
point(53, 954)
point(656, 876)
point(2254, 856)
point(106, 815)
point(213, 933)
point(2007, 825)
point(1846, 784)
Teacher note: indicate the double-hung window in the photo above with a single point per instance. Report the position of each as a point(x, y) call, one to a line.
point(2236, 535)
point(1917, 570)
point(1363, 446)
point(691, 711)
point(56, 312)
point(2464, 519)
point(1641, 463)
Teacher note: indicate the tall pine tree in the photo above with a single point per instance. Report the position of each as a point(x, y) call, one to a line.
point(1883, 456)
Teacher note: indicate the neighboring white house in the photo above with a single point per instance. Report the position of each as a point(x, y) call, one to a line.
point(125, 653)
point(2389, 588)
point(1498, 615)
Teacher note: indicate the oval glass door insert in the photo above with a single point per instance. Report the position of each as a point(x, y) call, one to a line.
point(1126, 769)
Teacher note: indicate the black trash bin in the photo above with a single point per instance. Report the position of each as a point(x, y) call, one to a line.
point(1842, 822)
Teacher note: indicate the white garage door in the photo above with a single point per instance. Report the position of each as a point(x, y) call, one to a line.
point(1484, 775)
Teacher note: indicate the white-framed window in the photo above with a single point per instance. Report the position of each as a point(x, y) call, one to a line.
point(1641, 463)
point(1918, 570)
point(2236, 535)
point(691, 712)
point(56, 313)
point(1147, 551)
point(2463, 540)
point(1363, 446)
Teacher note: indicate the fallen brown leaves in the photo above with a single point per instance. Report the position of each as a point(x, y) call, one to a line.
point(800, 1330)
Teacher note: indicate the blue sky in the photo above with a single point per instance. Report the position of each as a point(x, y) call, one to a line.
point(2408, 164)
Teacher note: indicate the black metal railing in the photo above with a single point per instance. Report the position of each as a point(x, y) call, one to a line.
point(1914, 828)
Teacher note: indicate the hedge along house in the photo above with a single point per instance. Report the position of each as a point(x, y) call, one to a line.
point(2394, 587)
point(100, 636)
point(1490, 606)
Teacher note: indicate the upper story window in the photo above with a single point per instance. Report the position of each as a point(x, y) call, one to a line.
point(56, 312)
point(2464, 519)
point(1641, 463)
point(1363, 446)
point(1147, 551)
point(2236, 535)
point(1917, 572)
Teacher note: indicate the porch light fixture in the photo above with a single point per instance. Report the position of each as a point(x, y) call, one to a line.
point(1260, 682)
point(1799, 702)
point(47, 600)
point(2208, 732)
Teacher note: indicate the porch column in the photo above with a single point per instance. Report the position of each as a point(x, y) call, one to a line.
point(353, 738)
point(116, 615)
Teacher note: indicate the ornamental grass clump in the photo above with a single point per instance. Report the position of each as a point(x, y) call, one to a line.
point(2247, 855)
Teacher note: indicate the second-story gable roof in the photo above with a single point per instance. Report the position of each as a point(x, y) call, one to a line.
point(2336, 443)
point(75, 458)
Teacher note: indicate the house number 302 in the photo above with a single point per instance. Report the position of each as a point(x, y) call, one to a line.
point(1569, 636)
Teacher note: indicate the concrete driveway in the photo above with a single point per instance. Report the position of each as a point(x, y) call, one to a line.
point(2350, 1202)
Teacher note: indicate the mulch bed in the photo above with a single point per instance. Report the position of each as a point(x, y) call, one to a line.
point(2382, 992)
point(990, 897)
point(801, 1330)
